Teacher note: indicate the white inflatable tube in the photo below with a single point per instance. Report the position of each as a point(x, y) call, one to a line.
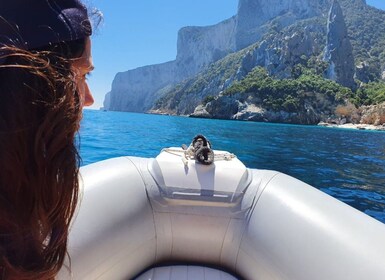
point(270, 226)
point(298, 232)
point(113, 236)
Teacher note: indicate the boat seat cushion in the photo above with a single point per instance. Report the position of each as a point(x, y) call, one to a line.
point(185, 272)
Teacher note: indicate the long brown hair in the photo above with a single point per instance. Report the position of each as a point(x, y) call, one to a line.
point(40, 112)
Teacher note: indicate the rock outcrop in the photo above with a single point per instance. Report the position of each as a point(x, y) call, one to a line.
point(338, 51)
point(230, 107)
point(279, 53)
point(200, 46)
point(135, 90)
point(374, 114)
point(253, 14)
point(364, 115)
point(107, 101)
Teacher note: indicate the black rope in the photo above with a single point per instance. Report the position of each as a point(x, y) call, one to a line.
point(202, 150)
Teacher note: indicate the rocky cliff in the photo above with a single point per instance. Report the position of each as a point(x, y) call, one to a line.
point(254, 14)
point(200, 46)
point(287, 38)
point(136, 90)
point(338, 50)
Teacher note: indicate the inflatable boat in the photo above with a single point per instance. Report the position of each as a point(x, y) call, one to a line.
point(178, 217)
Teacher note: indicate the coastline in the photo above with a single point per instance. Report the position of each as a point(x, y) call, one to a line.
point(354, 126)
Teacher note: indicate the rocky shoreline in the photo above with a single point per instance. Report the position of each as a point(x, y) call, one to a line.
point(347, 116)
point(354, 126)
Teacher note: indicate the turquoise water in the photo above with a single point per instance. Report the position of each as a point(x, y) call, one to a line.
point(347, 164)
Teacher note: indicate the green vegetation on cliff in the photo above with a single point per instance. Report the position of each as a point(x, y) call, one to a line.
point(287, 94)
point(213, 77)
point(368, 94)
point(366, 30)
point(286, 69)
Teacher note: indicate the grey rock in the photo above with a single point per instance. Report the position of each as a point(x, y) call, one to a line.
point(362, 72)
point(200, 112)
point(338, 50)
point(223, 108)
point(252, 14)
point(374, 114)
point(250, 112)
point(135, 90)
point(107, 101)
point(197, 47)
point(230, 107)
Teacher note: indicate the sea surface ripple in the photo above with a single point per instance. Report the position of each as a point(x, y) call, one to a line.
point(345, 163)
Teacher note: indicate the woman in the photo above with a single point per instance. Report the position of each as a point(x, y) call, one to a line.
point(45, 55)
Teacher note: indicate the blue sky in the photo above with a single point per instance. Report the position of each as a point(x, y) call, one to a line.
point(144, 32)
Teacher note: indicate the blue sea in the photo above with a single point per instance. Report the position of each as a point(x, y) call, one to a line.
point(347, 164)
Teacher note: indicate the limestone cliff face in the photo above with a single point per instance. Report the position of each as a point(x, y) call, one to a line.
point(279, 35)
point(253, 14)
point(107, 101)
point(134, 90)
point(278, 54)
point(338, 51)
point(200, 46)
